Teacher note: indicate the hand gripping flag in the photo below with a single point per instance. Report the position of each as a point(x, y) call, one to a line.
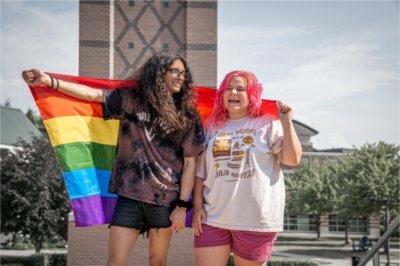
point(85, 144)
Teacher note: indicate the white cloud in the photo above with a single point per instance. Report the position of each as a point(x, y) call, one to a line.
point(334, 72)
point(36, 37)
point(311, 68)
point(328, 140)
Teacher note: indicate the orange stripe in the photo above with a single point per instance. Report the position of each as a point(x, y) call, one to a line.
point(54, 104)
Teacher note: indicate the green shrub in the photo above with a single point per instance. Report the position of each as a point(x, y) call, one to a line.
point(34, 260)
point(278, 263)
point(58, 259)
point(290, 263)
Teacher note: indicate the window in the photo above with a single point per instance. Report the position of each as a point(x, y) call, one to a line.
point(131, 45)
point(356, 224)
point(165, 4)
point(165, 46)
point(131, 3)
point(299, 223)
point(290, 222)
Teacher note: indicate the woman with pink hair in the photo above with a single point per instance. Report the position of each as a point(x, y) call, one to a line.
point(239, 192)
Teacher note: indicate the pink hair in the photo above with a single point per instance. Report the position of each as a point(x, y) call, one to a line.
point(219, 114)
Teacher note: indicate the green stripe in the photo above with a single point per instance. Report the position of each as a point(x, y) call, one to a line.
point(79, 155)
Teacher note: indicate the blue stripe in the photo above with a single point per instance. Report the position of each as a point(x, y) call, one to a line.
point(87, 182)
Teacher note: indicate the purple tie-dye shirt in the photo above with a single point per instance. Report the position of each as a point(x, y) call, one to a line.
point(147, 168)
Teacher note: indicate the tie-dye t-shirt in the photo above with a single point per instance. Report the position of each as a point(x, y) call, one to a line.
point(147, 168)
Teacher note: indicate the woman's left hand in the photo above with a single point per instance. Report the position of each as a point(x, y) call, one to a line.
point(199, 217)
point(178, 219)
point(285, 111)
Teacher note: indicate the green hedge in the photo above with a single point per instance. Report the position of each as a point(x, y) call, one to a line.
point(290, 263)
point(279, 263)
point(34, 260)
point(58, 259)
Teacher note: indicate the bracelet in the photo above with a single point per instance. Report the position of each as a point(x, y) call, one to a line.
point(181, 203)
point(55, 82)
point(52, 82)
point(58, 85)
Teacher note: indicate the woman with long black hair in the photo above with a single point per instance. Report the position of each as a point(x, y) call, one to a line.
point(159, 139)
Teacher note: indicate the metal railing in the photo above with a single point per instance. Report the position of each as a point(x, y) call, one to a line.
point(374, 251)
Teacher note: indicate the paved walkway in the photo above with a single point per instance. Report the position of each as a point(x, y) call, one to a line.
point(323, 252)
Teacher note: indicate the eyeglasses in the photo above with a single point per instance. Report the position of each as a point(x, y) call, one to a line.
point(175, 73)
point(238, 89)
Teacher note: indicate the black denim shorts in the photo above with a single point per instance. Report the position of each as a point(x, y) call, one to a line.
point(140, 215)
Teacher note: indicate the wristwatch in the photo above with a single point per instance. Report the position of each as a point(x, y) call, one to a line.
point(183, 204)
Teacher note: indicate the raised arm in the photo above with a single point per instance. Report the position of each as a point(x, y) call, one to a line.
point(37, 77)
point(291, 148)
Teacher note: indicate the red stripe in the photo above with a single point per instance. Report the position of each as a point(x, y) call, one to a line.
point(55, 104)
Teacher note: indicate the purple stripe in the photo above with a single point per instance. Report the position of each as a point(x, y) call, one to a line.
point(108, 208)
point(189, 218)
point(92, 210)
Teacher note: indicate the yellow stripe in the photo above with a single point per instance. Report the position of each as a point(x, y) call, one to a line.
point(69, 129)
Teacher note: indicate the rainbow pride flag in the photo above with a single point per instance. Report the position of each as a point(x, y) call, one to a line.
point(85, 144)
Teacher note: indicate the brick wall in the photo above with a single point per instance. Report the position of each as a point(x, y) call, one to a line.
point(88, 246)
point(94, 35)
point(116, 38)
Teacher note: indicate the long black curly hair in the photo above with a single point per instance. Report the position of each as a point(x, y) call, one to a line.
point(172, 114)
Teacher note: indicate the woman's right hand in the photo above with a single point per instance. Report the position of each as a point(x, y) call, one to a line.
point(36, 77)
point(199, 217)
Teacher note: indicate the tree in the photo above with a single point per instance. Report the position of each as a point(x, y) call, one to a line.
point(36, 120)
point(312, 191)
point(369, 172)
point(33, 196)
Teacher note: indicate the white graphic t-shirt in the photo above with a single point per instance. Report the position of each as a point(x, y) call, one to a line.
point(244, 187)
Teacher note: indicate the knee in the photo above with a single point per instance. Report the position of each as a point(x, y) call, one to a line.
point(116, 262)
point(157, 260)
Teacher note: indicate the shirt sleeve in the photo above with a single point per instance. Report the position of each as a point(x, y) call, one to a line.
point(193, 142)
point(275, 136)
point(201, 166)
point(113, 106)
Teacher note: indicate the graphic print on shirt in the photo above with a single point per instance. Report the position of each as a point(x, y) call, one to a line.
point(222, 147)
point(231, 154)
point(150, 131)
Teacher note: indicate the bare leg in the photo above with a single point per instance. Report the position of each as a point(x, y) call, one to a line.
point(242, 262)
point(159, 240)
point(216, 256)
point(120, 243)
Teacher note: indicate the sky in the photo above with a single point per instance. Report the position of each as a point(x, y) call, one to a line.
point(335, 62)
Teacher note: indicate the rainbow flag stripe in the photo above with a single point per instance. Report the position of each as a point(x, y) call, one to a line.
point(85, 144)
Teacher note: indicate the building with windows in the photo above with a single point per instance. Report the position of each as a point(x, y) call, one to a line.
point(15, 126)
point(331, 225)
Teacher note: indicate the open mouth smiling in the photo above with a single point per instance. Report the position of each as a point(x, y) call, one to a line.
point(233, 101)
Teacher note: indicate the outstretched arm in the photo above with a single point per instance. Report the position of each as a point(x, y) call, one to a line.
point(37, 77)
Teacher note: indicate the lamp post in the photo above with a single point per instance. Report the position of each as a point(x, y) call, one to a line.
point(385, 201)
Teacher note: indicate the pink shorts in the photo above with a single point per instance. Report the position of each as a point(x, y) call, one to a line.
point(249, 245)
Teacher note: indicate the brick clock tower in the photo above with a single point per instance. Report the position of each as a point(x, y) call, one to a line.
point(115, 39)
